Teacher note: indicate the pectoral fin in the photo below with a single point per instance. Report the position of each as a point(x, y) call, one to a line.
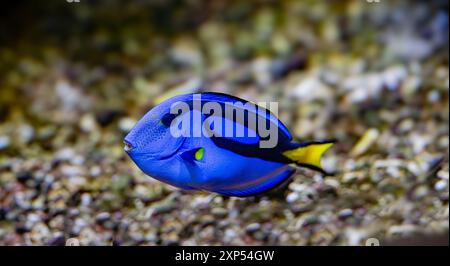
point(192, 155)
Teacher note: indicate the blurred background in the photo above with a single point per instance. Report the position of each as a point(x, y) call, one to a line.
point(76, 76)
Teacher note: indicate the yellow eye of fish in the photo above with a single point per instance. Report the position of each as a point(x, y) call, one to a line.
point(199, 154)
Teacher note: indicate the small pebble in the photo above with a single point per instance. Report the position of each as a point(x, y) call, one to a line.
point(102, 217)
point(88, 123)
point(126, 124)
point(251, 228)
point(26, 134)
point(292, 197)
point(420, 192)
point(4, 142)
point(24, 176)
point(441, 185)
point(345, 213)
point(365, 142)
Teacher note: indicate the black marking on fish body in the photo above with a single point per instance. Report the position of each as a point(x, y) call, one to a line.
point(223, 99)
point(249, 150)
point(253, 150)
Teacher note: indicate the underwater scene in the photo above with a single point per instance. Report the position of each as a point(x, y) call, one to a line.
point(365, 83)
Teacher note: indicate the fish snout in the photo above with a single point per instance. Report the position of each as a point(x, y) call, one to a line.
point(128, 146)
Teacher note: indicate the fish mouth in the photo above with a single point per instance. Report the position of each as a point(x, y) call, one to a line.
point(128, 146)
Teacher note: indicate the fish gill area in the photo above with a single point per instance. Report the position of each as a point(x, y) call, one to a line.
point(76, 76)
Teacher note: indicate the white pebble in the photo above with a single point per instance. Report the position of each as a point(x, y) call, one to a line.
point(88, 123)
point(85, 199)
point(441, 185)
point(443, 174)
point(126, 124)
point(292, 197)
point(433, 96)
point(4, 142)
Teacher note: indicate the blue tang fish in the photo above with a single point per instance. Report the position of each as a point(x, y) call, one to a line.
point(227, 164)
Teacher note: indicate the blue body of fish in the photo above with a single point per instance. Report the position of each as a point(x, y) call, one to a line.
point(228, 165)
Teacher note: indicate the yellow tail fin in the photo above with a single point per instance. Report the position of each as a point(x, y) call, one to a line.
point(310, 154)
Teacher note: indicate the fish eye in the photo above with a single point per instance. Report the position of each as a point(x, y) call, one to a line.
point(167, 119)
